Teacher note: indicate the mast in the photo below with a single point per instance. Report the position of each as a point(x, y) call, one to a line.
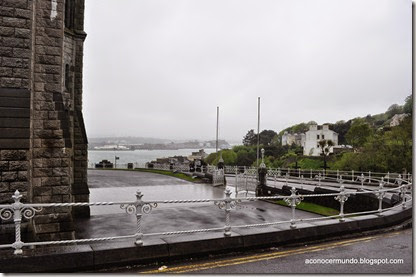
point(216, 141)
point(258, 130)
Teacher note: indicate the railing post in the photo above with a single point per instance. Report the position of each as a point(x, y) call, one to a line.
point(339, 179)
point(236, 181)
point(310, 174)
point(139, 208)
point(319, 177)
point(17, 218)
point(362, 178)
point(380, 195)
point(369, 177)
point(402, 191)
point(388, 177)
point(293, 200)
point(227, 227)
point(342, 197)
point(352, 175)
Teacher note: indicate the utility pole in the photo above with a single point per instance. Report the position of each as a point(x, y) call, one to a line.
point(216, 141)
point(258, 131)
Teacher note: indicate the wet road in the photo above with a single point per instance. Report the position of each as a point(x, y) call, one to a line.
point(113, 220)
point(385, 253)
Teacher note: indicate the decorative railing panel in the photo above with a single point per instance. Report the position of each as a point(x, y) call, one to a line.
point(18, 210)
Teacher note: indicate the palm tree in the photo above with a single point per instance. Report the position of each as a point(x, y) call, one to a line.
point(325, 146)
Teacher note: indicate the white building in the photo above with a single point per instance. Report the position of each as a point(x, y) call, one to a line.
point(314, 135)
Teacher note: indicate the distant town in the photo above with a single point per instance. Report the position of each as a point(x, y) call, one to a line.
point(139, 143)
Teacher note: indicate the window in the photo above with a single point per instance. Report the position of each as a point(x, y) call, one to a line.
point(317, 145)
point(317, 136)
point(67, 77)
point(323, 136)
point(69, 13)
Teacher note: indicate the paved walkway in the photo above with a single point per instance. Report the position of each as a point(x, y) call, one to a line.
point(113, 221)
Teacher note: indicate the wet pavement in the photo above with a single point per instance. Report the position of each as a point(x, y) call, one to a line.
point(113, 221)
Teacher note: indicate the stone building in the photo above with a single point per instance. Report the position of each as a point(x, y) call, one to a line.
point(289, 139)
point(314, 135)
point(43, 144)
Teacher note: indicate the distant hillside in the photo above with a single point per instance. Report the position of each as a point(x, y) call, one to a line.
point(376, 122)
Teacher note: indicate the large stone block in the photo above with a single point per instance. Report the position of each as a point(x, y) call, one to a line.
point(42, 172)
point(15, 42)
point(15, 22)
point(18, 165)
point(4, 165)
point(11, 82)
point(22, 176)
point(61, 190)
point(23, 13)
point(20, 186)
point(8, 176)
point(46, 228)
point(42, 191)
point(51, 181)
point(13, 155)
point(23, 4)
point(4, 186)
point(60, 171)
point(6, 31)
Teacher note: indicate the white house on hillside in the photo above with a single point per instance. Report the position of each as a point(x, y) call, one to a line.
point(314, 135)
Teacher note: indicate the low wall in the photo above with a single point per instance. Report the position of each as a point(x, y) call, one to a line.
point(100, 255)
point(355, 203)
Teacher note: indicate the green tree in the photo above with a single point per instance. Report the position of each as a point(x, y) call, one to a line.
point(341, 127)
point(394, 109)
point(276, 141)
point(408, 104)
point(358, 133)
point(266, 137)
point(229, 157)
point(325, 146)
point(250, 138)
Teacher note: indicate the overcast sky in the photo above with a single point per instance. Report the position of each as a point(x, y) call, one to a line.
point(159, 68)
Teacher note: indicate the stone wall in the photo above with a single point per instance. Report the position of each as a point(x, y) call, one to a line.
point(42, 137)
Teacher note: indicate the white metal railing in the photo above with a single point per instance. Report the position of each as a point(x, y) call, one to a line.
point(218, 177)
point(353, 176)
point(17, 211)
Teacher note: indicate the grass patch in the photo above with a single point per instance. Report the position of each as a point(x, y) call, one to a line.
point(170, 173)
point(311, 207)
